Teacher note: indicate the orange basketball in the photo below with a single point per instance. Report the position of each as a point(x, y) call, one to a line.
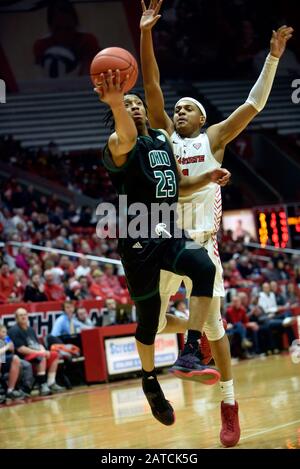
point(114, 58)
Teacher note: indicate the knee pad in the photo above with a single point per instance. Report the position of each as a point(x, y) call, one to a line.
point(144, 335)
point(213, 327)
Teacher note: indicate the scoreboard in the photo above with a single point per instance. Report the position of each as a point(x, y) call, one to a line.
point(278, 225)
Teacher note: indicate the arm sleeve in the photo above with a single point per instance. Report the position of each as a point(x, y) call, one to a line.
point(261, 90)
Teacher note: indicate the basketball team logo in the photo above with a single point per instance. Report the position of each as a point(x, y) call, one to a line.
point(2, 92)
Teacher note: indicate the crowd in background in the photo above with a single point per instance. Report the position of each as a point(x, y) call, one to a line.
point(211, 46)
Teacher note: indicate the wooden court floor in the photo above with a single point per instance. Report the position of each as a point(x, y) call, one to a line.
point(116, 415)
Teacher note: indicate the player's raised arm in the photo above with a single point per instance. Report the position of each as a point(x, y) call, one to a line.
point(151, 77)
point(224, 132)
point(122, 141)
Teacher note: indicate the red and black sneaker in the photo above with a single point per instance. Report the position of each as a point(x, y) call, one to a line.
point(230, 431)
point(189, 366)
point(161, 408)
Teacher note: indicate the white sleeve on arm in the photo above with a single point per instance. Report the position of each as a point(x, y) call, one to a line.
point(261, 90)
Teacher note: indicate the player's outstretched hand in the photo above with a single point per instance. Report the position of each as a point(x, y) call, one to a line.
point(150, 15)
point(279, 40)
point(109, 88)
point(220, 176)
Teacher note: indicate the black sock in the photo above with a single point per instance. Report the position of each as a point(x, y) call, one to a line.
point(192, 343)
point(149, 374)
point(41, 379)
point(150, 383)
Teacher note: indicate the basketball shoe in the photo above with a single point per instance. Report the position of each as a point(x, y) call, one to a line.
point(161, 408)
point(189, 365)
point(230, 431)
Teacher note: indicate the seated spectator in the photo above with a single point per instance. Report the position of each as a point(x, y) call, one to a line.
point(28, 347)
point(244, 300)
point(34, 291)
point(267, 300)
point(279, 296)
point(278, 318)
point(79, 289)
point(266, 340)
point(53, 291)
point(109, 313)
point(7, 281)
point(112, 280)
point(67, 323)
point(9, 363)
point(270, 273)
point(180, 309)
point(238, 322)
point(292, 296)
point(83, 268)
point(99, 288)
point(83, 318)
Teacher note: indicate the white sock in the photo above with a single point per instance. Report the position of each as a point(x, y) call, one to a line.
point(10, 389)
point(227, 391)
point(51, 379)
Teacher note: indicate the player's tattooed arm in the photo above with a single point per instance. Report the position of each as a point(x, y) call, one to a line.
point(158, 118)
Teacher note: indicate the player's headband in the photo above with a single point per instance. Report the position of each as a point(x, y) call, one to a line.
point(199, 105)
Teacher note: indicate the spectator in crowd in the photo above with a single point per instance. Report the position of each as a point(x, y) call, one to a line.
point(277, 320)
point(34, 291)
point(53, 291)
point(9, 363)
point(28, 347)
point(180, 309)
point(83, 318)
point(100, 289)
point(79, 289)
point(279, 296)
point(292, 295)
point(7, 281)
point(109, 313)
point(112, 280)
point(267, 343)
point(83, 268)
point(67, 323)
point(267, 300)
point(238, 322)
point(270, 273)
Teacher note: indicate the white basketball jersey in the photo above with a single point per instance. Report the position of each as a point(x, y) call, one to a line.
point(195, 157)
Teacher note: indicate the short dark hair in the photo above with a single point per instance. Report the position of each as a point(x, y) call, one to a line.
point(108, 118)
point(177, 302)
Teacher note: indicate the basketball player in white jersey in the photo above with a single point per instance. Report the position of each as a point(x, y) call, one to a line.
point(197, 152)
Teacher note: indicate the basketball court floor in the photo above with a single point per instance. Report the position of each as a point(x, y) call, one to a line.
point(116, 415)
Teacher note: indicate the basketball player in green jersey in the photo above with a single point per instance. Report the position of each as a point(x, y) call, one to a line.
point(142, 166)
